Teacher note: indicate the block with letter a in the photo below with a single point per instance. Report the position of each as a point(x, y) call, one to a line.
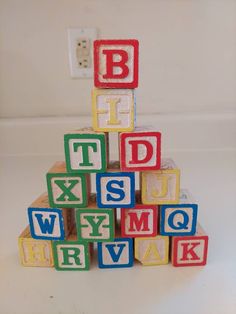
point(116, 63)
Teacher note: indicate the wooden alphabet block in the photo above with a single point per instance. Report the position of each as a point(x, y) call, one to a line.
point(179, 219)
point(140, 221)
point(190, 250)
point(34, 252)
point(116, 254)
point(113, 110)
point(67, 190)
point(152, 251)
point(161, 186)
point(115, 189)
point(49, 223)
point(95, 224)
point(140, 150)
point(116, 63)
point(86, 151)
point(71, 254)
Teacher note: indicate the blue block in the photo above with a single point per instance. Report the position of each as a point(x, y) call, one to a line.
point(116, 254)
point(115, 189)
point(46, 223)
point(183, 224)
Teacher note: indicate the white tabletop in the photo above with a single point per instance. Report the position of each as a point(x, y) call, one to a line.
point(211, 178)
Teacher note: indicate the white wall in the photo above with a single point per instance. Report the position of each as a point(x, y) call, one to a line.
point(187, 54)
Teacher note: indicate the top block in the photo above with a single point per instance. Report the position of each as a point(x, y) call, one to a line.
point(116, 63)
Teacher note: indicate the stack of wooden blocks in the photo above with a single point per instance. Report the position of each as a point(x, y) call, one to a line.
point(148, 224)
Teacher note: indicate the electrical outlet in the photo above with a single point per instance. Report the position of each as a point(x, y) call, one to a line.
point(81, 51)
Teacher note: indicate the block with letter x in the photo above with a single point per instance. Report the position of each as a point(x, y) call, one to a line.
point(86, 151)
point(190, 250)
point(140, 150)
point(116, 63)
point(67, 189)
point(113, 110)
point(49, 223)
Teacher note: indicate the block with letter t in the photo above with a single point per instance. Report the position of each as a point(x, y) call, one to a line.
point(190, 250)
point(86, 151)
point(116, 63)
point(49, 223)
point(140, 150)
point(67, 189)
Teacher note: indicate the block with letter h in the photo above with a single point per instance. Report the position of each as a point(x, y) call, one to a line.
point(48, 223)
point(179, 219)
point(115, 189)
point(116, 63)
point(140, 150)
point(161, 186)
point(190, 250)
point(86, 151)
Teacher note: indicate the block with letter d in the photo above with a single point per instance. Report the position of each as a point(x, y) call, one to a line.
point(115, 189)
point(179, 219)
point(190, 250)
point(116, 254)
point(86, 151)
point(49, 223)
point(116, 63)
point(161, 186)
point(140, 150)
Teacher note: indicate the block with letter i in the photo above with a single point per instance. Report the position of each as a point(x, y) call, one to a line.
point(113, 110)
point(34, 252)
point(161, 186)
point(86, 151)
point(115, 189)
point(190, 250)
point(49, 223)
point(67, 190)
point(116, 254)
point(179, 219)
point(152, 251)
point(140, 150)
point(116, 63)
point(71, 254)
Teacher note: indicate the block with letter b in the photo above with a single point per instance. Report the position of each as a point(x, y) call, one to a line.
point(48, 223)
point(140, 150)
point(179, 219)
point(161, 186)
point(86, 151)
point(113, 110)
point(190, 250)
point(67, 189)
point(116, 63)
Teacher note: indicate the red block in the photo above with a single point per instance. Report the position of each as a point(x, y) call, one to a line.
point(140, 221)
point(116, 63)
point(190, 250)
point(140, 151)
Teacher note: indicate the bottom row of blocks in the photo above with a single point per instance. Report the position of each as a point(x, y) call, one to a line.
point(72, 254)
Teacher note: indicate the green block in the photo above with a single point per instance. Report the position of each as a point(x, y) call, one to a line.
point(95, 224)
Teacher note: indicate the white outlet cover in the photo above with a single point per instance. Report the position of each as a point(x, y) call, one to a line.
point(74, 34)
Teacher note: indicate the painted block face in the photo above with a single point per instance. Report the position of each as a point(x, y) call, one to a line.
point(161, 186)
point(116, 254)
point(190, 250)
point(116, 63)
point(34, 252)
point(140, 151)
point(85, 151)
point(67, 190)
point(113, 110)
point(140, 221)
point(179, 219)
point(115, 190)
point(95, 224)
point(152, 251)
